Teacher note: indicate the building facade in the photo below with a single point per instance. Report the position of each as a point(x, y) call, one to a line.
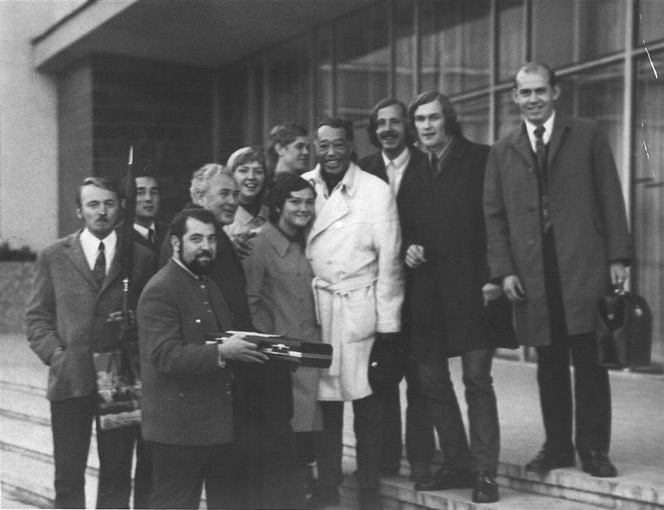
point(187, 82)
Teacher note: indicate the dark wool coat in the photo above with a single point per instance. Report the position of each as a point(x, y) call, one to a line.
point(374, 164)
point(587, 212)
point(444, 309)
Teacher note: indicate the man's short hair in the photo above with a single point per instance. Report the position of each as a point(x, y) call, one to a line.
point(373, 121)
point(535, 67)
point(283, 134)
point(101, 182)
point(338, 123)
point(145, 172)
point(284, 185)
point(178, 227)
point(452, 124)
point(200, 179)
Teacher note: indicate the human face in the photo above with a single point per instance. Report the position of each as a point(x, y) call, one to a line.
point(147, 199)
point(295, 155)
point(222, 198)
point(430, 126)
point(535, 96)
point(391, 130)
point(333, 149)
point(99, 210)
point(250, 177)
point(298, 211)
point(198, 246)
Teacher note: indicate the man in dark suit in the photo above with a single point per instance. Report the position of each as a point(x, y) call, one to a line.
point(77, 279)
point(187, 392)
point(447, 292)
point(389, 131)
point(147, 229)
point(558, 238)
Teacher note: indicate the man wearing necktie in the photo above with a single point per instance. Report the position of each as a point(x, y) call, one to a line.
point(558, 238)
point(148, 231)
point(447, 297)
point(388, 130)
point(77, 279)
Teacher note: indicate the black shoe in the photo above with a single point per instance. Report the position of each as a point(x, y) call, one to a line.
point(419, 472)
point(447, 478)
point(369, 499)
point(547, 460)
point(597, 463)
point(485, 489)
point(324, 496)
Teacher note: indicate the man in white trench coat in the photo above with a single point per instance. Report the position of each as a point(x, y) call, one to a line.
point(354, 250)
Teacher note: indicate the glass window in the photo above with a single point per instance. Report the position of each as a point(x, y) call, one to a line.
point(290, 87)
point(362, 61)
point(511, 38)
point(455, 46)
point(648, 194)
point(405, 65)
point(650, 20)
point(324, 103)
point(474, 118)
point(508, 113)
point(567, 31)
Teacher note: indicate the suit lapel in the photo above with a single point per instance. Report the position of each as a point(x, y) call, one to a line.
point(74, 252)
point(456, 151)
point(334, 209)
point(521, 144)
point(114, 270)
point(560, 127)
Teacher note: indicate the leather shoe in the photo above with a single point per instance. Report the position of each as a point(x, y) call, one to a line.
point(485, 489)
point(547, 460)
point(597, 463)
point(447, 478)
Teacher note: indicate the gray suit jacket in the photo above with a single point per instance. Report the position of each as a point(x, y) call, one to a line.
point(63, 305)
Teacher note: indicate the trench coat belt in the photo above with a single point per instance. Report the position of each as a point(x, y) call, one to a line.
point(331, 296)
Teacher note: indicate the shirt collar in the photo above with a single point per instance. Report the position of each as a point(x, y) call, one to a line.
point(400, 161)
point(548, 130)
point(144, 231)
point(89, 240)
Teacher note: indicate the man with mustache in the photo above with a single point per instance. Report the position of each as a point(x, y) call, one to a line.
point(353, 248)
point(77, 279)
point(388, 130)
point(187, 401)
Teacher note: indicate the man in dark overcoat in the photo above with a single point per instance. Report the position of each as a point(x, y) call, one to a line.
point(558, 238)
point(389, 130)
point(78, 282)
point(447, 290)
point(187, 401)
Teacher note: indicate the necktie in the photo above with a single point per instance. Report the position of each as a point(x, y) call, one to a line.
point(100, 266)
point(152, 239)
point(542, 177)
point(433, 165)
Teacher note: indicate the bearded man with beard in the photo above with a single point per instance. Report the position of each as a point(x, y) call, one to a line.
point(187, 399)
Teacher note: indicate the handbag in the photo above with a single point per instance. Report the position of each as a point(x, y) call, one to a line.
point(623, 331)
point(118, 389)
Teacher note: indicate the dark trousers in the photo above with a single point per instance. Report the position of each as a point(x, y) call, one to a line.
point(591, 382)
point(391, 449)
point(434, 383)
point(180, 472)
point(71, 424)
point(368, 420)
point(420, 440)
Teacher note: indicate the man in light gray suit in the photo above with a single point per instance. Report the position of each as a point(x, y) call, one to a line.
point(77, 280)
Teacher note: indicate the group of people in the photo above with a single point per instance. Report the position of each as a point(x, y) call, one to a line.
point(431, 248)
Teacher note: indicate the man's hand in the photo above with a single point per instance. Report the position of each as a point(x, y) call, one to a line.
point(238, 349)
point(513, 289)
point(619, 275)
point(491, 292)
point(415, 256)
point(241, 243)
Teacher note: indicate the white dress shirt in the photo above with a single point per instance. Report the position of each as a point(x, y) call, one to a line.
point(396, 167)
point(546, 136)
point(90, 245)
point(145, 232)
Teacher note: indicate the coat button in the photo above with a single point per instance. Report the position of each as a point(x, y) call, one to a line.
point(530, 243)
point(197, 321)
point(181, 395)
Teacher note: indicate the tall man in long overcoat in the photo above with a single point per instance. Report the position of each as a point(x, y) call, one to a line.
point(447, 296)
point(558, 238)
point(353, 248)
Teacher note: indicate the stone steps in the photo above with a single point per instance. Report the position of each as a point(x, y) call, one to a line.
point(27, 472)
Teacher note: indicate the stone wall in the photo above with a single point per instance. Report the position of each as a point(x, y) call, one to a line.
point(16, 283)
